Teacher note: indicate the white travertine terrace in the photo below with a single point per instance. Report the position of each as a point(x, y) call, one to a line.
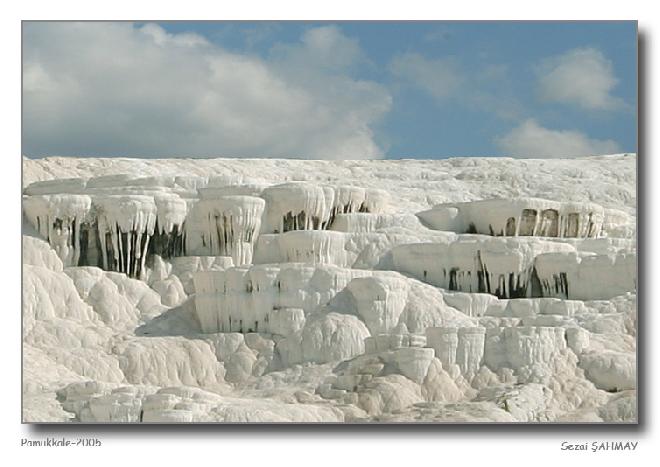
point(307, 206)
point(296, 206)
point(60, 219)
point(518, 217)
point(125, 226)
point(225, 226)
point(329, 291)
point(269, 298)
point(518, 268)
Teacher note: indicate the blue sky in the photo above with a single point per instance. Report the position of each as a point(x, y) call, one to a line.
point(339, 90)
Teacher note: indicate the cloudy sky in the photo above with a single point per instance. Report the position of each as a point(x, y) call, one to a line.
point(321, 90)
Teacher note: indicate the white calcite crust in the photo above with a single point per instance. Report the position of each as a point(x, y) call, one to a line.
point(518, 217)
point(224, 226)
point(220, 290)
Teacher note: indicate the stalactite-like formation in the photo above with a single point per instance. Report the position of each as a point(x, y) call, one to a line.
point(225, 226)
point(502, 267)
point(265, 298)
point(520, 217)
point(125, 227)
point(470, 266)
point(63, 220)
point(348, 200)
point(316, 247)
point(120, 223)
point(295, 206)
point(329, 299)
point(585, 277)
point(304, 206)
point(518, 268)
point(170, 216)
point(168, 240)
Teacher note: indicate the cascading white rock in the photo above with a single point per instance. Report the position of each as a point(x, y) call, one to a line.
point(190, 184)
point(58, 186)
point(516, 347)
point(363, 222)
point(214, 192)
point(265, 298)
point(103, 210)
point(110, 181)
point(326, 337)
point(618, 224)
point(472, 304)
point(169, 239)
point(444, 340)
point(308, 246)
point(516, 268)
point(63, 221)
point(380, 301)
point(586, 277)
point(357, 222)
point(116, 232)
point(294, 206)
point(499, 266)
point(329, 299)
point(518, 217)
point(470, 350)
point(376, 201)
point(352, 200)
point(315, 247)
point(463, 347)
point(125, 226)
point(384, 342)
point(305, 206)
point(224, 226)
point(348, 199)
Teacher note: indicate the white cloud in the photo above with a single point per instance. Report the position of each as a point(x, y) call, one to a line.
point(583, 77)
point(325, 47)
point(444, 79)
point(441, 77)
point(530, 139)
point(116, 89)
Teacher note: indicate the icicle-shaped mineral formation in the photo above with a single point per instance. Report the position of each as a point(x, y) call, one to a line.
point(225, 226)
point(63, 220)
point(168, 238)
point(522, 217)
point(125, 226)
point(265, 298)
point(295, 206)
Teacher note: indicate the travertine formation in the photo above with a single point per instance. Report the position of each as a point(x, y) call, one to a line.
point(233, 290)
point(519, 217)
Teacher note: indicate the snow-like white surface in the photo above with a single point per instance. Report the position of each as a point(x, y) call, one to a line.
point(227, 290)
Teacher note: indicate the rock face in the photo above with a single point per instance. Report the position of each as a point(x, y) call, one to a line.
point(518, 217)
point(518, 268)
point(308, 291)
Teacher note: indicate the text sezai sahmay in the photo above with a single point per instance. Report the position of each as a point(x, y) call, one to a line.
point(596, 446)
